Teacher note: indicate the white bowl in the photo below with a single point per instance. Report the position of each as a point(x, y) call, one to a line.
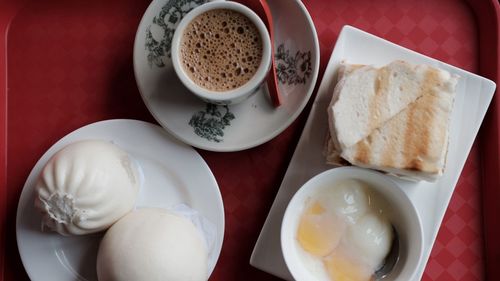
point(403, 217)
point(235, 95)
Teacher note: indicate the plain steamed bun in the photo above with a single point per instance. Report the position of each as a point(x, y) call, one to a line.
point(152, 244)
point(86, 187)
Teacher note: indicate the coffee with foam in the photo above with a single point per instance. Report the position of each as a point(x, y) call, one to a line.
point(221, 50)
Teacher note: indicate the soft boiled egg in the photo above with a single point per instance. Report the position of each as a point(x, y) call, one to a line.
point(320, 230)
point(348, 199)
point(346, 265)
point(372, 235)
point(344, 229)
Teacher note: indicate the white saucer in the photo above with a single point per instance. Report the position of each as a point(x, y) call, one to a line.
point(173, 173)
point(219, 128)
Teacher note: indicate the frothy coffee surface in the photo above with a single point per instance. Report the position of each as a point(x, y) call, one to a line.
point(221, 50)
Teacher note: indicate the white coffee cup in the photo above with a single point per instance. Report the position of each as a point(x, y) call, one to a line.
point(404, 218)
point(231, 96)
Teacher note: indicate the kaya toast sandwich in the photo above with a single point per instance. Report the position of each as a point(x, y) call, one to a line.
point(393, 119)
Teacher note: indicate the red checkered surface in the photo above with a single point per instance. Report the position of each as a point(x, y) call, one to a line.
point(69, 63)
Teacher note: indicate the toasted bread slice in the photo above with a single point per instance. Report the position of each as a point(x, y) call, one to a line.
point(366, 97)
point(412, 144)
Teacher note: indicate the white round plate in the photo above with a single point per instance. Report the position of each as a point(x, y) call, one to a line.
point(234, 127)
point(173, 173)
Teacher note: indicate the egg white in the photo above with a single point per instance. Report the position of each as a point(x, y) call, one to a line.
point(368, 238)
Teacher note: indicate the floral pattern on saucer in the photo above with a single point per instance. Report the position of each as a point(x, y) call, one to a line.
point(292, 69)
point(160, 32)
point(211, 122)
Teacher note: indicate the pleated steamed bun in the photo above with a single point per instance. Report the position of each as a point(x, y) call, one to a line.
point(86, 187)
point(152, 244)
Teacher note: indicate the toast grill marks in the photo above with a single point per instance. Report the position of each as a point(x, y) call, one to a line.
point(416, 138)
point(381, 86)
point(424, 154)
point(366, 98)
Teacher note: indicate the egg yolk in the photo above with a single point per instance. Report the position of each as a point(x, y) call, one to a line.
point(342, 268)
point(319, 231)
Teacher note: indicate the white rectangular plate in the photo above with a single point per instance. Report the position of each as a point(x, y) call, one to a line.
point(474, 94)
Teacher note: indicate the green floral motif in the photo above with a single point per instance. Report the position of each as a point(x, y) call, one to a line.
point(159, 34)
point(292, 69)
point(211, 122)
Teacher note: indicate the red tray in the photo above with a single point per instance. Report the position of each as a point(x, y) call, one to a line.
point(64, 64)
